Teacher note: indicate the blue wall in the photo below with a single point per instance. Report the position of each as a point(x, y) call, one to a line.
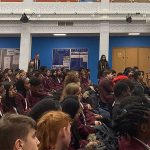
point(127, 41)
point(9, 42)
point(44, 46)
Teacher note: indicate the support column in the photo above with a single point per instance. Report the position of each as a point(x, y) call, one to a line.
point(104, 30)
point(104, 39)
point(25, 47)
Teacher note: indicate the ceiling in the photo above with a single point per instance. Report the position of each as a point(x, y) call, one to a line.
point(129, 1)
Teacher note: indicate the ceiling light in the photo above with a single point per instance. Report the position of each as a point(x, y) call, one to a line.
point(133, 33)
point(58, 34)
point(24, 18)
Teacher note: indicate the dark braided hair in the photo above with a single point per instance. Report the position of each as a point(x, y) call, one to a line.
point(133, 112)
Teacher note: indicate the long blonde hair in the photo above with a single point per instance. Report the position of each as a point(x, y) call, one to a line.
point(48, 128)
point(70, 89)
point(71, 77)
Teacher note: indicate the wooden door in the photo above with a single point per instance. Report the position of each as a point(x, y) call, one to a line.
point(118, 59)
point(131, 58)
point(144, 59)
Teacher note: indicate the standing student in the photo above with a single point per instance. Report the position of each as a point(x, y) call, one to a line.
point(36, 61)
point(102, 66)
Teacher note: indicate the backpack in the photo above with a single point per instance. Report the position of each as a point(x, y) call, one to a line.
point(107, 137)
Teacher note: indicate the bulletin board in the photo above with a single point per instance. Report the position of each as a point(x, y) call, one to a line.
point(71, 58)
point(9, 58)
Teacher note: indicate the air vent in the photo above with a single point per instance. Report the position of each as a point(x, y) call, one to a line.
point(69, 23)
point(65, 23)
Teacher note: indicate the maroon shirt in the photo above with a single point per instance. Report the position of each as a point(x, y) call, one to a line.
point(22, 104)
point(106, 89)
point(35, 97)
point(132, 144)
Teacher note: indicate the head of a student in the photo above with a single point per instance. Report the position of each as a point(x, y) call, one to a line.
point(22, 85)
point(10, 90)
point(44, 106)
point(139, 75)
point(37, 56)
point(48, 73)
point(138, 90)
point(22, 74)
point(72, 77)
point(136, 68)
point(71, 89)
point(18, 132)
point(130, 83)
point(129, 72)
point(133, 119)
point(10, 72)
point(114, 73)
point(108, 74)
point(71, 106)
point(103, 58)
point(53, 131)
point(121, 90)
point(35, 84)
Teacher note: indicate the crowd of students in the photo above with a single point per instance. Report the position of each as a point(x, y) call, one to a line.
point(61, 109)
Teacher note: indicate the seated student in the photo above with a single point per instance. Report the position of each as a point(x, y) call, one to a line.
point(53, 131)
point(9, 104)
point(132, 124)
point(121, 90)
point(88, 117)
point(45, 105)
point(138, 79)
point(18, 132)
point(106, 90)
point(34, 95)
point(21, 101)
point(72, 77)
point(71, 106)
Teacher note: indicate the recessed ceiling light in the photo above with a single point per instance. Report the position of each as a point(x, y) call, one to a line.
point(59, 34)
point(133, 33)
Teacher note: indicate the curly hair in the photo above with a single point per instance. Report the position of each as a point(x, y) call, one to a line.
point(133, 112)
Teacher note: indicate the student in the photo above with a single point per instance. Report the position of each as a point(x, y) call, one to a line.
point(121, 90)
point(22, 103)
point(106, 90)
point(9, 102)
point(45, 105)
point(18, 132)
point(71, 106)
point(35, 95)
point(53, 131)
point(102, 65)
point(36, 61)
point(132, 124)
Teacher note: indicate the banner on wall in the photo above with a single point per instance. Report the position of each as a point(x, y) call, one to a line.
point(73, 58)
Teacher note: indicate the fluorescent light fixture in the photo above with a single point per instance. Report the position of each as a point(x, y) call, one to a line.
point(133, 33)
point(58, 34)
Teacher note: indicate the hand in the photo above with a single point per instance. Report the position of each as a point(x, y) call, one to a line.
point(91, 145)
point(98, 123)
point(89, 106)
point(98, 116)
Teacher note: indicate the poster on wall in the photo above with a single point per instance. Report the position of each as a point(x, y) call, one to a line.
point(61, 58)
point(15, 59)
point(9, 58)
point(79, 58)
point(71, 58)
point(6, 62)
